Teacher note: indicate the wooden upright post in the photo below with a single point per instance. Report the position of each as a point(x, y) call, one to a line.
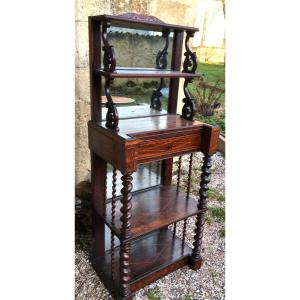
point(167, 164)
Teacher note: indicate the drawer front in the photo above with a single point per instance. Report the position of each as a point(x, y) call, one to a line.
point(160, 148)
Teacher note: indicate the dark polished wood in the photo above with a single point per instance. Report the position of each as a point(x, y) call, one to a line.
point(113, 216)
point(95, 62)
point(196, 258)
point(190, 62)
point(150, 139)
point(109, 57)
point(143, 22)
point(189, 107)
point(132, 244)
point(145, 73)
point(175, 65)
point(125, 230)
point(157, 94)
point(161, 58)
point(98, 183)
point(151, 258)
point(112, 115)
point(153, 209)
point(167, 165)
point(189, 66)
point(155, 125)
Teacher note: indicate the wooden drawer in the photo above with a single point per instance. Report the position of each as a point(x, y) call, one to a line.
point(157, 148)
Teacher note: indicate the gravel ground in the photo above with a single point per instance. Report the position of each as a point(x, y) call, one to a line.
point(208, 283)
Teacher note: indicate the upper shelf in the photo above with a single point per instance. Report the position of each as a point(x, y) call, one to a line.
point(145, 73)
point(137, 21)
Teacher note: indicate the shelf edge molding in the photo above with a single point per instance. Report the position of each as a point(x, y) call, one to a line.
point(121, 72)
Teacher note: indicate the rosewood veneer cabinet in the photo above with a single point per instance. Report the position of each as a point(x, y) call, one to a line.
point(142, 249)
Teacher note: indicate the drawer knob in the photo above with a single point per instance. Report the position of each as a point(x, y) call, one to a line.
point(169, 146)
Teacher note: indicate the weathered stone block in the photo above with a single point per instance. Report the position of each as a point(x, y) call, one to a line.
point(82, 154)
point(82, 84)
point(175, 11)
point(85, 8)
point(82, 45)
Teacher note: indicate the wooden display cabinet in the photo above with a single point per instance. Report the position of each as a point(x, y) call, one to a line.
point(142, 249)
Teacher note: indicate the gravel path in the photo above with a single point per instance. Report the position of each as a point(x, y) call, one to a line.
point(208, 283)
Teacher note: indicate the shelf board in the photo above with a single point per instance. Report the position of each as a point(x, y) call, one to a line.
point(153, 209)
point(135, 111)
point(145, 73)
point(153, 124)
point(151, 257)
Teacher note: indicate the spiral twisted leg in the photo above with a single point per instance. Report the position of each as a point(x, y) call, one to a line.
point(105, 191)
point(196, 259)
point(125, 232)
point(113, 214)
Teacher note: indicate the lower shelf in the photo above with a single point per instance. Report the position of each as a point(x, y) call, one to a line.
point(151, 258)
point(154, 209)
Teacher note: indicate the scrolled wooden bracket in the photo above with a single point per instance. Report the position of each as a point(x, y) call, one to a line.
point(190, 61)
point(155, 98)
point(189, 108)
point(109, 58)
point(161, 58)
point(112, 115)
point(161, 63)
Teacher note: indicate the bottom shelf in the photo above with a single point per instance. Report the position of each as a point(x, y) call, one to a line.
point(151, 258)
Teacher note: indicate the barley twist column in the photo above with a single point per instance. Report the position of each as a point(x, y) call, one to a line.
point(125, 232)
point(196, 259)
point(113, 214)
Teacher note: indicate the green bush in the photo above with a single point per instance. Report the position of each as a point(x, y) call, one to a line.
point(214, 120)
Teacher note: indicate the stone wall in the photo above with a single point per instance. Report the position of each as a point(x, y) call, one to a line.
point(137, 49)
point(170, 11)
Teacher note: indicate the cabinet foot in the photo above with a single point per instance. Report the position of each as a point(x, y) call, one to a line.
point(195, 264)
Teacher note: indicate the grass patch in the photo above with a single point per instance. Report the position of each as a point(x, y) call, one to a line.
point(213, 276)
point(212, 72)
point(222, 232)
point(188, 297)
point(153, 294)
point(84, 241)
point(217, 213)
point(216, 195)
point(208, 219)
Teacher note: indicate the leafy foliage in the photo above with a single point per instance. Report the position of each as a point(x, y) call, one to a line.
point(207, 96)
point(214, 120)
